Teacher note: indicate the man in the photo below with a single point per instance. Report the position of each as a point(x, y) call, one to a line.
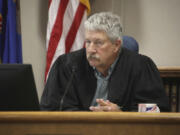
point(103, 76)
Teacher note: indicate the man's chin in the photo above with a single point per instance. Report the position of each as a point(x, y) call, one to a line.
point(93, 63)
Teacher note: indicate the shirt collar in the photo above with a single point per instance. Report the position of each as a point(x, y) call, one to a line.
point(99, 75)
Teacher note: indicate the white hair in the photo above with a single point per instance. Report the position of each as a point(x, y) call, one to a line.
point(107, 22)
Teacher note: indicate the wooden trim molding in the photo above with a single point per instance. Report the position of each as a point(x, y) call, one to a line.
point(169, 72)
point(88, 117)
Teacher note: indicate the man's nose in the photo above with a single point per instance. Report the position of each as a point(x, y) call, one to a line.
point(92, 47)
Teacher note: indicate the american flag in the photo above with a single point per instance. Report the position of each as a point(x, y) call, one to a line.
point(65, 29)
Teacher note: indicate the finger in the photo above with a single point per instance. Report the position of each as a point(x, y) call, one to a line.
point(101, 102)
point(95, 108)
point(108, 102)
point(106, 108)
point(112, 108)
point(100, 108)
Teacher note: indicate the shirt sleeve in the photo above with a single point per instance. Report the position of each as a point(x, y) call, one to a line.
point(51, 96)
point(148, 86)
point(56, 86)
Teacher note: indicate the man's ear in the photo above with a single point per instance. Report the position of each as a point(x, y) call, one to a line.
point(117, 45)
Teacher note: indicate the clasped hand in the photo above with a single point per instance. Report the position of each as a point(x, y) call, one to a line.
point(105, 106)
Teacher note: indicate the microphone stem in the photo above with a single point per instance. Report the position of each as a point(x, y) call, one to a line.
point(65, 92)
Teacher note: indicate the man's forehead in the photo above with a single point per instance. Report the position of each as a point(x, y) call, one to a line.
point(95, 34)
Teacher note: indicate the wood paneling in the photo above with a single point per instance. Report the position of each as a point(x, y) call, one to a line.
point(89, 123)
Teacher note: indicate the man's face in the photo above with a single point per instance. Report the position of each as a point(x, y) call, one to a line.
point(100, 51)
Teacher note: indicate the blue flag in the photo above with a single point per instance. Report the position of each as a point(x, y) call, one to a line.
point(10, 38)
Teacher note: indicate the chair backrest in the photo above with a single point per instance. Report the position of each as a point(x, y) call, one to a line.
point(130, 43)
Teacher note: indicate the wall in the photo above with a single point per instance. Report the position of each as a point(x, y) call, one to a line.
point(33, 28)
point(154, 23)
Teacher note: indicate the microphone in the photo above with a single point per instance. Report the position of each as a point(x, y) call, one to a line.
point(67, 88)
